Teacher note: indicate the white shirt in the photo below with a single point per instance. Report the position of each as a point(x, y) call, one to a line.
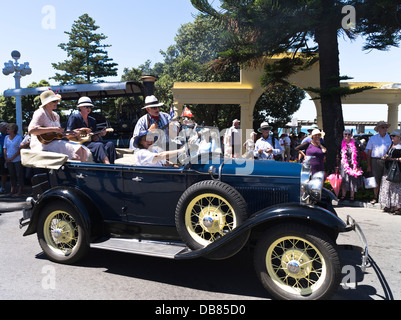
point(232, 137)
point(144, 157)
point(378, 145)
point(265, 144)
point(12, 146)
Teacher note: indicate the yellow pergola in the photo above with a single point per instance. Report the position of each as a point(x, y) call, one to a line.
point(247, 91)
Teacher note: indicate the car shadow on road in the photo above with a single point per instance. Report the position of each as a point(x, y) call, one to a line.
point(234, 276)
point(353, 285)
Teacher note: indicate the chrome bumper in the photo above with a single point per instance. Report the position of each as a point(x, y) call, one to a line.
point(26, 212)
point(352, 225)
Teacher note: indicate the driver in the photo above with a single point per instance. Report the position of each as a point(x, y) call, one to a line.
point(150, 155)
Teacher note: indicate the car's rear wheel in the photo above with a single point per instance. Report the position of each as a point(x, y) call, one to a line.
point(61, 233)
point(207, 211)
point(297, 262)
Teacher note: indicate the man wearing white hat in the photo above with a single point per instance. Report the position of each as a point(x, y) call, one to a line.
point(154, 119)
point(265, 147)
point(376, 149)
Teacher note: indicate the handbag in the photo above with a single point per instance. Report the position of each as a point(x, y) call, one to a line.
point(394, 172)
point(370, 182)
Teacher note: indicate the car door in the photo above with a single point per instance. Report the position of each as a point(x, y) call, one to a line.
point(151, 193)
point(103, 184)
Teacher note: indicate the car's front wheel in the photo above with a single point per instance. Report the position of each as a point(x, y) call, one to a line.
point(295, 261)
point(61, 233)
point(207, 211)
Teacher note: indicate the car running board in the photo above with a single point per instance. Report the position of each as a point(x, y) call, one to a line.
point(170, 250)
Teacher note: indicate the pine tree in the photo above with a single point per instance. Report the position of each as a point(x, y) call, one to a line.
point(88, 61)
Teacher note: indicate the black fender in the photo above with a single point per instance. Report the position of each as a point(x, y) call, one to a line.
point(289, 212)
point(76, 198)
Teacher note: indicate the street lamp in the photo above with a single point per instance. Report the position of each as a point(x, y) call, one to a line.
point(20, 70)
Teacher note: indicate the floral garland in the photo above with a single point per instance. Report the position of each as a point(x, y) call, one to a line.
point(355, 172)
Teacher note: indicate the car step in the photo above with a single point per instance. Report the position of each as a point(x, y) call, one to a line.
point(144, 247)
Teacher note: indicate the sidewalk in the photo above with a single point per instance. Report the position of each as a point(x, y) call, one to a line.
point(347, 203)
point(8, 203)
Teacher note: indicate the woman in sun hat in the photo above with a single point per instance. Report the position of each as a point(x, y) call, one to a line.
point(315, 149)
point(45, 120)
point(102, 151)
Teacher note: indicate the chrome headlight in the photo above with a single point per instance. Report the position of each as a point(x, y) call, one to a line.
point(312, 189)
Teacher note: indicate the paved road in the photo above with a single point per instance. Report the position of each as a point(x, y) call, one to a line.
point(27, 274)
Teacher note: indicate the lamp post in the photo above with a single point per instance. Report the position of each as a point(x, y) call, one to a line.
point(19, 70)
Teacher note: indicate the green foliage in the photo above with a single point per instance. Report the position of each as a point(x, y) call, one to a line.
point(88, 61)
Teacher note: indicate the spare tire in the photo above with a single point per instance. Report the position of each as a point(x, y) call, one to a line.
point(207, 211)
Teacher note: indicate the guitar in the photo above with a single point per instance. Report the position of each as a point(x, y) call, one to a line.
point(46, 138)
point(86, 137)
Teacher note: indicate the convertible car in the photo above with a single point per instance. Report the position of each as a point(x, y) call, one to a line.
point(207, 206)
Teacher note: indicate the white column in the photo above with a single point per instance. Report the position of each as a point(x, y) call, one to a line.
point(392, 116)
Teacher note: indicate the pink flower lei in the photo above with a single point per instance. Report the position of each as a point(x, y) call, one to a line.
point(354, 172)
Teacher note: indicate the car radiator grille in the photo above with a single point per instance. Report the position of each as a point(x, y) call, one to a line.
point(258, 198)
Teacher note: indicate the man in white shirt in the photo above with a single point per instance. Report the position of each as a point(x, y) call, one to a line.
point(232, 140)
point(266, 147)
point(376, 149)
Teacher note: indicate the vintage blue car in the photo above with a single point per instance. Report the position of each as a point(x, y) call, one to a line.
point(207, 206)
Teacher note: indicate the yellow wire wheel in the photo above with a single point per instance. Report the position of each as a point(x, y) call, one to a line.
point(296, 265)
point(61, 233)
point(209, 217)
point(207, 211)
point(297, 262)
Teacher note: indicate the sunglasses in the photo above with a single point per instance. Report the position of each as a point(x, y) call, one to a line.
point(347, 134)
point(154, 108)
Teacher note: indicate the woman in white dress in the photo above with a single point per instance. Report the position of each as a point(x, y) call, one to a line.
point(45, 120)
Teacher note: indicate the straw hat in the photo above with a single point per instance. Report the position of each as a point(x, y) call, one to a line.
point(381, 123)
point(47, 97)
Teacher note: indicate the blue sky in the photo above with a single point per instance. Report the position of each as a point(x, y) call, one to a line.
point(138, 30)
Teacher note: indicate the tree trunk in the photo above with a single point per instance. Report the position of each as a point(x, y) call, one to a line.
point(333, 122)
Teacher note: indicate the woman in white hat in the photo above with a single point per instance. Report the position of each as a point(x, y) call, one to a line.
point(315, 149)
point(46, 121)
point(102, 152)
